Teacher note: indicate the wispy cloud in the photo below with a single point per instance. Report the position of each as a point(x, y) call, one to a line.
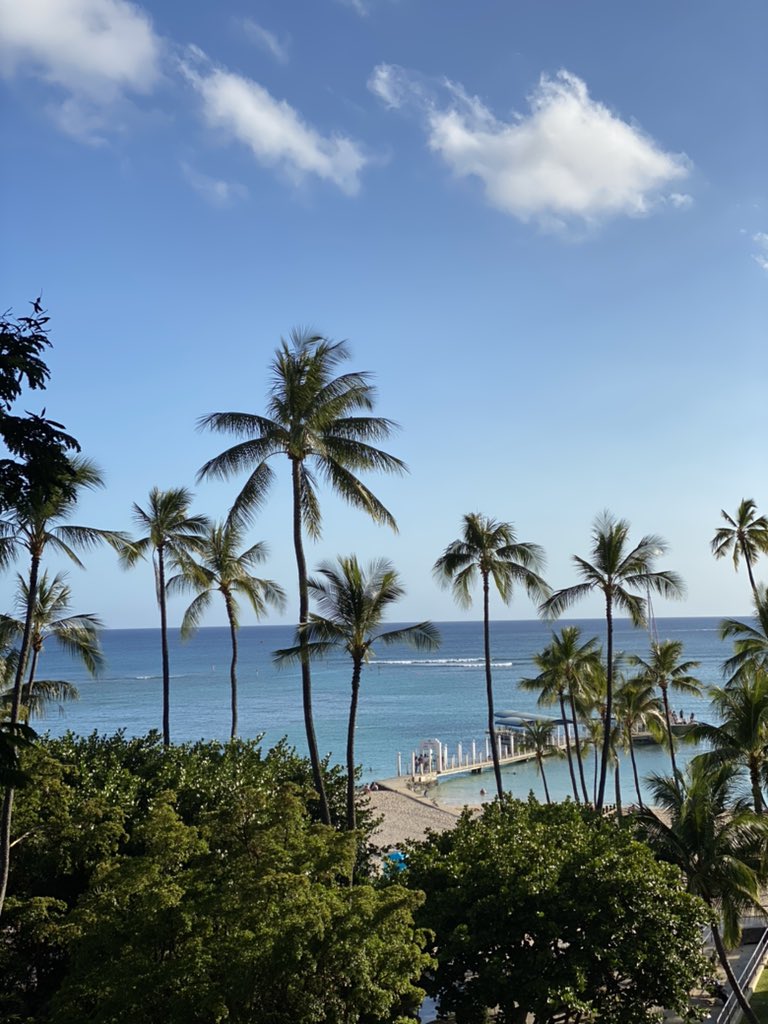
point(361, 7)
point(214, 190)
point(264, 39)
point(569, 157)
point(96, 51)
point(761, 256)
point(272, 129)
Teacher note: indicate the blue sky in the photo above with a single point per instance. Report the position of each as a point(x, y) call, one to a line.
point(543, 227)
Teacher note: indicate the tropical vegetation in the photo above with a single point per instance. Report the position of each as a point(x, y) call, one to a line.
point(143, 881)
point(618, 572)
point(223, 566)
point(352, 601)
point(489, 550)
point(314, 420)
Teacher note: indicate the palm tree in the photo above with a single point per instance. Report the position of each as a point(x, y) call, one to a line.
point(637, 709)
point(312, 421)
point(750, 643)
point(490, 550)
point(616, 570)
point(539, 735)
point(741, 739)
point(172, 534)
point(33, 526)
point(745, 536)
point(78, 635)
point(353, 601)
point(566, 666)
point(665, 670)
point(41, 526)
point(223, 567)
point(718, 843)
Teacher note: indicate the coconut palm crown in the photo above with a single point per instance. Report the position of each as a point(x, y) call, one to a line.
point(745, 536)
point(320, 423)
point(750, 641)
point(617, 571)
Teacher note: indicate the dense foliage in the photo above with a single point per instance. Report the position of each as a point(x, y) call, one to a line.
point(556, 912)
point(191, 884)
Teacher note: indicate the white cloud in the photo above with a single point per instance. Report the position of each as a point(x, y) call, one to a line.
point(569, 157)
point(681, 200)
point(265, 39)
point(392, 87)
point(761, 256)
point(214, 190)
point(88, 47)
point(96, 51)
point(272, 129)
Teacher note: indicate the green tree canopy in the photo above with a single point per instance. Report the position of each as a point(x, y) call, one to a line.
point(555, 912)
point(192, 885)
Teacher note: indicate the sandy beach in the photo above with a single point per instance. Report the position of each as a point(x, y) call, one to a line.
point(407, 817)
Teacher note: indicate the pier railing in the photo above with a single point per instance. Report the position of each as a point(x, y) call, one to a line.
point(434, 759)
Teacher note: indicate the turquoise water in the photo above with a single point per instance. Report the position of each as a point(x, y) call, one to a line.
point(406, 696)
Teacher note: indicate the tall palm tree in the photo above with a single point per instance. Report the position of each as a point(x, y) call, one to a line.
point(665, 670)
point(718, 843)
point(745, 536)
point(312, 420)
point(223, 567)
point(617, 572)
point(32, 526)
point(567, 666)
point(637, 709)
point(352, 601)
point(170, 535)
point(750, 642)
point(540, 736)
point(490, 550)
point(741, 738)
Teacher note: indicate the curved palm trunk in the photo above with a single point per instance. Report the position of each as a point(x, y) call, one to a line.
point(634, 770)
point(540, 759)
point(164, 646)
point(577, 745)
point(754, 778)
point(7, 811)
point(752, 583)
point(306, 674)
point(568, 747)
point(351, 811)
point(489, 686)
point(617, 785)
point(232, 664)
point(608, 702)
point(732, 981)
point(670, 738)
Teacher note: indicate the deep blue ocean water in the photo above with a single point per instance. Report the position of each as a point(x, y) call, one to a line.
point(407, 696)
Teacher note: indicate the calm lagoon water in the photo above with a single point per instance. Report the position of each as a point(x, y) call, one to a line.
point(407, 696)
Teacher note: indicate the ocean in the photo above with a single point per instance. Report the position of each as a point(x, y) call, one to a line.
point(407, 696)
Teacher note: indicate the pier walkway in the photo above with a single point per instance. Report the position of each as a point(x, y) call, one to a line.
point(434, 761)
